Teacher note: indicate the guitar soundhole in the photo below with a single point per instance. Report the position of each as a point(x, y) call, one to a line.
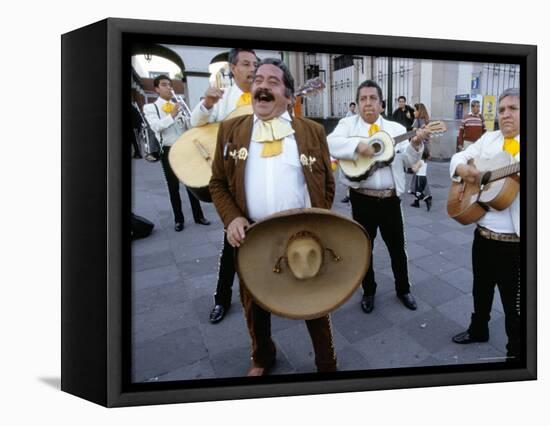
point(377, 147)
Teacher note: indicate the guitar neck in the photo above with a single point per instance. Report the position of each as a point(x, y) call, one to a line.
point(503, 172)
point(404, 136)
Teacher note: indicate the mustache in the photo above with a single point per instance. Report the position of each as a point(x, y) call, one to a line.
point(264, 95)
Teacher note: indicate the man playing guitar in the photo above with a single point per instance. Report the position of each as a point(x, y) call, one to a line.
point(496, 249)
point(216, 106)
point(375, 201)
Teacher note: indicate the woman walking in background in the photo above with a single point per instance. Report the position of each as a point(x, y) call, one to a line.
point(419, 183)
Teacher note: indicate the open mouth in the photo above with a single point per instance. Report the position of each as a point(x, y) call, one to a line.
point(263, 96)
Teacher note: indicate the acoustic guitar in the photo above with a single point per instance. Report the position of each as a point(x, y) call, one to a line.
point(384, 152)
point(497, 188)
point(192, 154)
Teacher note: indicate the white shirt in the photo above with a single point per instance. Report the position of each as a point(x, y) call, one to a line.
point(273, 184)
point(166, 126)
point(423, 168)
point(343, 141)
point(227, 104)
point(486, 147)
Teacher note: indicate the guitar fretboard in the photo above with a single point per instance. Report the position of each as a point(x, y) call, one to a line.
point(504, 171)
point(404, 136)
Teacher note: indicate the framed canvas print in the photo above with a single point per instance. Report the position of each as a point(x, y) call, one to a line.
point(277, 212)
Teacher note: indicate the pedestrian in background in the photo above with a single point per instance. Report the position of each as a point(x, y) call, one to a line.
point(471, 128)
point(404, 114)
point(419, 183)
point(351, 109)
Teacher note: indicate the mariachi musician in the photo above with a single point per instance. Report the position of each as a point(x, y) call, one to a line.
point(496, 249)
point(162, 116)
point(266, 163)
point(216, 106)
point(375, 201)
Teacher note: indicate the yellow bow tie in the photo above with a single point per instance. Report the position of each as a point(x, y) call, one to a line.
point(373, 129)
point(168, 107)
point(271, 133)
point(511, 145)
point(245, 99)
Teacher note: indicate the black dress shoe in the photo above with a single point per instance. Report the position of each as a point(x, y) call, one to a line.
point(408, 300)
point(465, 338)
point(202, 221)
point(345, 199)
point(367, 303)
point(178, 227)
point(415, 204)
point(217, 314)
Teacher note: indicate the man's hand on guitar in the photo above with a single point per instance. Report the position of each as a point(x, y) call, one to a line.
point(468, 173)
point(365, 150)
point(236, 231)
point(421, 134)
point(212, 96)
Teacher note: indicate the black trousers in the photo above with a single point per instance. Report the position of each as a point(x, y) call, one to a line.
point(497, 263)
point(174, 191)
point(384, 214)
point(135, 143)
point(226, 274)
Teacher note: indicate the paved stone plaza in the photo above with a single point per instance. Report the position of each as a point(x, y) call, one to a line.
point(174, 278)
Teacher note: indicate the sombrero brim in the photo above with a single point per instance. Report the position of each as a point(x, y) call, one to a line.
point(282, 293)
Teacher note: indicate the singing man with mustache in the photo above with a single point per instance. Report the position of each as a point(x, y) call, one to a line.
point(375, 201)
point(265, 163)
point(216, 106)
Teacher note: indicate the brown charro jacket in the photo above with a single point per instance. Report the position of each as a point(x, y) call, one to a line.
point(227, 182)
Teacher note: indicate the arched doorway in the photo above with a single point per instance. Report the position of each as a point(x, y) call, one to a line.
point(155, 50)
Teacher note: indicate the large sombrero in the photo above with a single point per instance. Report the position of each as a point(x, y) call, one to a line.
point(303, 263)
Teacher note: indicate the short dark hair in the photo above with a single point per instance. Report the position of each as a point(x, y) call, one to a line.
point(402, 97)
point(352, 103)
point(475, 103)
point(369, 83)
point(233, 56)
point(287, 76)
point(158, 78)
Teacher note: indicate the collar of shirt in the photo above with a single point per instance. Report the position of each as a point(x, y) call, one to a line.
point(284, 116)
point(502, 137)
point(366, 126)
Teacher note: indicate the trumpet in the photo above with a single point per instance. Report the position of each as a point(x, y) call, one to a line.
point(184, 114)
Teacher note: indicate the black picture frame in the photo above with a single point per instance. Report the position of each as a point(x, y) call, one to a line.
point(95, 191)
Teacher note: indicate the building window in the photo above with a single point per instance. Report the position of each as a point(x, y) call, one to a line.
point(155, 74)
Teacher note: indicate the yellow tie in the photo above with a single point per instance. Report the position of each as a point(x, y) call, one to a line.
point(373, 129)
point(511, 145)
point(245, 99)
point(168, 107)
point(271, 133)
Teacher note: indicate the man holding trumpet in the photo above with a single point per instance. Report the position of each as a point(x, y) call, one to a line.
point(162, 116)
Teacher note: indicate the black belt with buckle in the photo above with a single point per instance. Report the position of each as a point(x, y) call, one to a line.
point(376, 193)
point(497, 236)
